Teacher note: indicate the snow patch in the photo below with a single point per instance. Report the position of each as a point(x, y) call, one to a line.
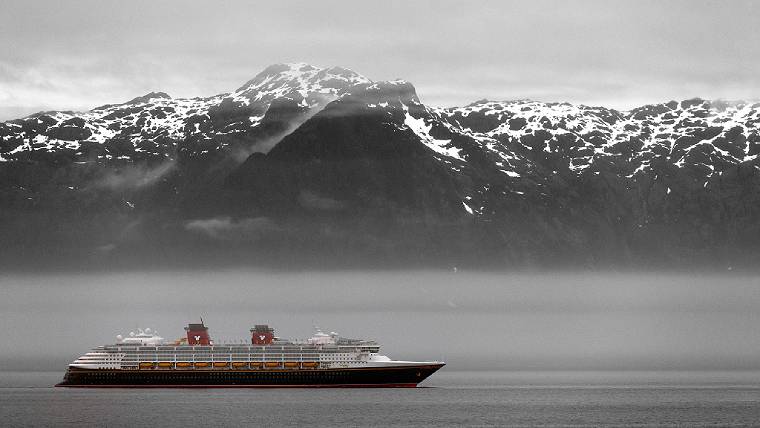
point(422, 130)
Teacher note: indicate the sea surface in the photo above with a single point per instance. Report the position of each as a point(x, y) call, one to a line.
point(449, 398)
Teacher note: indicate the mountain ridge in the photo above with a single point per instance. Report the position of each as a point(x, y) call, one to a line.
point(300, 159)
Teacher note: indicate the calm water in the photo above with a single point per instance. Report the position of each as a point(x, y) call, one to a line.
point(451, 398)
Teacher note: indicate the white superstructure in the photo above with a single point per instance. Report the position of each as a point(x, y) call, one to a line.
point(146, 350)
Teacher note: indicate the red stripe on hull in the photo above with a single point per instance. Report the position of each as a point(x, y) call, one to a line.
point(368, 385)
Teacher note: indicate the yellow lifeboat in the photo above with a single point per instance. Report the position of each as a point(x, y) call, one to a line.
point(310, 364)
point(202, 364)
point(256, 364)
point(291, 364)
point(239, 364)
point(272, 364)
point(221, 364)
point(184, 364)
point(146, 365)
point(164, 364)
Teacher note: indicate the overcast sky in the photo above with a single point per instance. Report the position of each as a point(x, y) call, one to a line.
point(80, 54)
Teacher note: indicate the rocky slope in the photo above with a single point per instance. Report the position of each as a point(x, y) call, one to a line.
point(310, 165)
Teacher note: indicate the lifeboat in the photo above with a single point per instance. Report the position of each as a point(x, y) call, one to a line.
point(164, 364)
point(239, 364)
point(272, 364)
point(184, 364)
point(146, 365)
point(291, 364)
point(310, 364)
point(256, 364)
point(221, 364)
point(202, 364)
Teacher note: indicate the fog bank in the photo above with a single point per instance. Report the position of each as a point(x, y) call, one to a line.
point(471, 320)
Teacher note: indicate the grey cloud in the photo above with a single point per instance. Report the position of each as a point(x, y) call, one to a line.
point(134, 176)
point(104, 249)
point(227, 229)
point(656, 50)
point(314, 201)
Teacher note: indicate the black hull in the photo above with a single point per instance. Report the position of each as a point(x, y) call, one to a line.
point(408, 376)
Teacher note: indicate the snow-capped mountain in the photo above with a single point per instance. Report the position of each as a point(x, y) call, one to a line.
point(684, 132)
point(155, 125)
point(307, 160)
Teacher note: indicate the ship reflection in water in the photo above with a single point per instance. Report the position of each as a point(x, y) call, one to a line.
point(145, 359)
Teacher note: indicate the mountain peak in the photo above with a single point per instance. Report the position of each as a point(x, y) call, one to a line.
point(147, 97)
point(399, 89)
point(275, 69)
point(281, 79)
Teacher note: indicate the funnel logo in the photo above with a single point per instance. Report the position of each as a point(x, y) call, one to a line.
point(262, 337)
point(197, 337)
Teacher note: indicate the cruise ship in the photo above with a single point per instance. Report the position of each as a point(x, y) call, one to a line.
point(145, 359)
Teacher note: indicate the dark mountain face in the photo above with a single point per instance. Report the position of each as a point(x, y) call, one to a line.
point(303, 165)
point(362, 158)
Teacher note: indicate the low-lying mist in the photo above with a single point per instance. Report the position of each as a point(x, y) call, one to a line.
point(471, 320)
